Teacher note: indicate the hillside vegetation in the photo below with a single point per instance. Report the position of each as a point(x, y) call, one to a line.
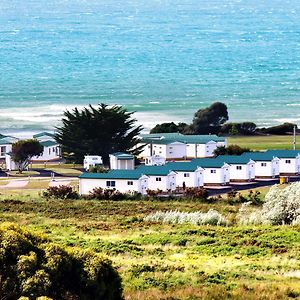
point(172, 260)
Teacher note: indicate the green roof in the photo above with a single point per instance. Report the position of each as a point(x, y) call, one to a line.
point(182, 166)
point(234, 159)
point(123, 156)
point(114, 174)
point(259, 156)
point(284, 153)
point(8, 140)
point(168, 138)
point(48, 143)
point(155, 170)
point(44, 133)
point(208, 162)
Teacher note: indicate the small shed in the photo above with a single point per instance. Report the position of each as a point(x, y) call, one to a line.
point(92, 161)
point(121, 161)
point(155, 160)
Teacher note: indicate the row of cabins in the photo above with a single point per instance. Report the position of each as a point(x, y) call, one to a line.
point(51, 149)
point(198, 172)
point(176, 146)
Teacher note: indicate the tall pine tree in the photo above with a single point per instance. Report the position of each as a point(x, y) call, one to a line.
point(98, 130)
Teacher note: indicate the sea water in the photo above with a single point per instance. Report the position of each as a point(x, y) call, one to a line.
point(164, 59)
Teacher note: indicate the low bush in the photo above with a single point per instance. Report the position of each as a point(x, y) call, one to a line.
point(195, 193)
point(112, 194)
point(31, 266)
point(281, 206)
point(60, 192)
point(212, 217)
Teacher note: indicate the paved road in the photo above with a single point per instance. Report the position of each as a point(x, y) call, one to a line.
point(42, 173)
point(253, 185)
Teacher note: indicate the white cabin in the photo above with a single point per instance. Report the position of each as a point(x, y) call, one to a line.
point(51, 152)
point(155, 160)
point(6, 145)
point(121, 161)
point(289, 161)
point(187, 174)
point(9, 163)
point(160, 177)
point(216, 172)
point(266, 165)
point(242, 169)
point(92, 161)
point(124, 181)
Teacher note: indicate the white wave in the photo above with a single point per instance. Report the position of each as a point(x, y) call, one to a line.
point(293, 104)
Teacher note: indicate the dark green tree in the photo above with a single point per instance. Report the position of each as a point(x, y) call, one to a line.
point(230, 150)
point(98, 130)
point(168, 128)
point(209, 119)
point(24, 150)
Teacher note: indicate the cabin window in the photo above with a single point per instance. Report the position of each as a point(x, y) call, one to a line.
point(287, 161)
point(263, 164)
point(2, 150)
point(149, 146)
point(239, 167)
point(170, 152)
point(171, 147)
point(49, 151)
point(158, 178)
point(186, 175)
point(213, 171)
point(110, 183)
point(129, 182)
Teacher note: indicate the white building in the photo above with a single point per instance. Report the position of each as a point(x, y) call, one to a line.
point(121, 161)
point(289, 161)
point(216, 172)
point(155, 160)
point(160, 177)
point(242, 168)
point(91, 161)
point(187, 174)
point(179, 146)
point(44, 136)
point(266, 164)
point(51, 152)
point(124, 181)
point(9, 163)
point(6, 145)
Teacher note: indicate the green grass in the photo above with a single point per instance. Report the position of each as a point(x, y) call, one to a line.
point(163, 261)
point(263, 142)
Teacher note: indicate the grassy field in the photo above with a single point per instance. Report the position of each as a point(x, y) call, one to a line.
point(263, 142)
point(170, 261)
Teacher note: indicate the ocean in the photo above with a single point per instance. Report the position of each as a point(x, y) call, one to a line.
point(164, 59)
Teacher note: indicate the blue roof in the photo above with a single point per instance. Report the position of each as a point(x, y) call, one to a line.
point(155, 170)
point(48, 143)
point(8, 140)
point(259, 156)
point(209, 162)
point(168, 138)
point(44, 133)
point(234, 159)
point(123, 156)
point(114, 174)
point(284, 153)
point(182, 166)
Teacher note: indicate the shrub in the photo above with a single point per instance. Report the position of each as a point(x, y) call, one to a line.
point(112, 194)
point(212, 217)
point(60, 192)
point(281, 206)
point(98, 169)
point(196, 193)
point(31, 266)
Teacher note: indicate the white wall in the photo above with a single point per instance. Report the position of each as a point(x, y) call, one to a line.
point(292, 167)
point(221, 175)
point(176, 150)
point(5, 149)
point(163, 183)
point(87, 185)
point(247, 171)
point(121, 164)
point(267, 168)
point(191, 179)
point(49, 153)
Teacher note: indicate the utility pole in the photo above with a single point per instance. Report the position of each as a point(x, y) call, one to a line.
point(294, 139)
